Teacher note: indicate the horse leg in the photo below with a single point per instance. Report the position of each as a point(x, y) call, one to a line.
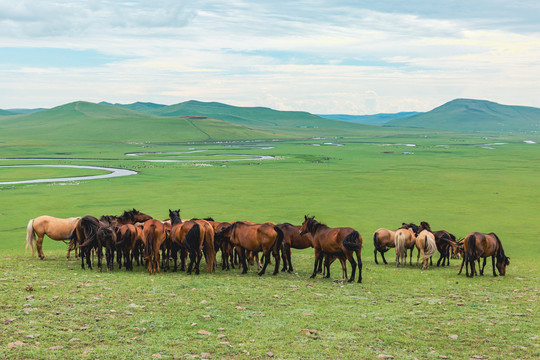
point(493, 264)
point(289, 261)
point(39, 247)
point(242, 259)
point(384, 259)
point(375, 254)
point(266, 258)
point(353, 264)
point(462, 263)
point(284, 257)
point(318, 259)
point(483, 266)
point(359, 259)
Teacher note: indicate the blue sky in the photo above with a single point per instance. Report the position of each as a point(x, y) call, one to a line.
point(352, 57)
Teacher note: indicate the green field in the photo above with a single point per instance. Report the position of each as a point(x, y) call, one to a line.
point(454, 181)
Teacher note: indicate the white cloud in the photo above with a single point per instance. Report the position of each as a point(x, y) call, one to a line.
point(318, 56)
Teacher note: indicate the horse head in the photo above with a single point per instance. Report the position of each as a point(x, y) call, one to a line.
point(174, 215)
point(308, 225)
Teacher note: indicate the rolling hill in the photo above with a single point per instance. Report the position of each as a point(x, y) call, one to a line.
point(145, 107)
point(475, 115)
point(89, 123)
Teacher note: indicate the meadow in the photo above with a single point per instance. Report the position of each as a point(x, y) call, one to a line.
point(457, 182)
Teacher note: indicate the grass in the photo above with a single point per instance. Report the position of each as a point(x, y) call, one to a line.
point(367, 183)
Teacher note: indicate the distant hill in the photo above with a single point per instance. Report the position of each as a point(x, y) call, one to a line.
point(475, 115)
point(376, 119)
point(298, 123)
point(25, 111)
point(146, 107)
point(89, 122)
point(6, 112)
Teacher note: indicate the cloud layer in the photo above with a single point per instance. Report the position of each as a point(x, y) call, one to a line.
point(319, 56)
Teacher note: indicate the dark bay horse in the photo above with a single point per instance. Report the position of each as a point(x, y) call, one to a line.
point(341, 242)
point(479, 245)
point(247, 236)
point(292, 239)
point(55, 228)
point(446, 243)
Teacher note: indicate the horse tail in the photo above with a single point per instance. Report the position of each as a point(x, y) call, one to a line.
point(30, 236)
point(123, 239)
point(400, 243)
point(279, 239)
point(149, 246)
point(377, 243)
point(471, 248)
point(430, 246)
point(193, 238)
point(352, 241)
point(209, 249)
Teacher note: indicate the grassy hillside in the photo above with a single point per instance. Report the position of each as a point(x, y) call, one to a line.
point(145, 107)
point(89, 122)
point(475, 115)
point(298, 123)
point(6, 112)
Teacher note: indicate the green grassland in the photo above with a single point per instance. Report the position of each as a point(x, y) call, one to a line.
point(53, 308)
point(367, 183)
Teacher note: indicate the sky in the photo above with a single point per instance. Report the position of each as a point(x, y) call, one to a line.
point(322, 56)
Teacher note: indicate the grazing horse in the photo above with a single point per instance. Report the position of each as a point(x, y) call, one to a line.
point(55, 228)
point(446, 243)
point(154, 235)
point(247, 236)
point(177, 239)
point(425, 243)
point(479, 245)
point(383, 240)
point(341, 242)
point(292, 239)
point(404, 239)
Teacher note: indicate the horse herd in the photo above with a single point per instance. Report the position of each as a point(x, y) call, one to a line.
point(135, 236)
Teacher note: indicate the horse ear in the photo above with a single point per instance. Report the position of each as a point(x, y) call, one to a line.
point(305, 217)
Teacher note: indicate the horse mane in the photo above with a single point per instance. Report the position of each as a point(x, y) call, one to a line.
point(501, 256)
point(425, 225)
point(313, 225)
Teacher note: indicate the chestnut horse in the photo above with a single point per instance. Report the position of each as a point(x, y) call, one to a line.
point(247, 236)
point(479, 245)
point(55, 228)
point(383, 240)
point(341, 242)
point(154, 235)
point(292, 239)
point(129, 243)
point(404, 239)
point(425, 243)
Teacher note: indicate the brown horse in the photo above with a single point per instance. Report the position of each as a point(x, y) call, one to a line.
point(154, 235)
point(479, 245)
point(247, 236)
point(425, 243)
point(292, 239)
point(222, 242)
point(383, 240)
point(446, 243)
point(55, 228)
point(199, 242)
point(404, 239)
point(129, 243)
point(341, 242)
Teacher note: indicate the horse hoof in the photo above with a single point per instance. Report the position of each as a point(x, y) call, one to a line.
point(312, 276)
